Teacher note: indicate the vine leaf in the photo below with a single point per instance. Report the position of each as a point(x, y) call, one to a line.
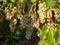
point(50, 3)
point(1, 0)
point(13, 1)
point(33, 1)
point(58, 1)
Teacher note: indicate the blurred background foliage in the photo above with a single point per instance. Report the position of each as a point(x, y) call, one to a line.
point(18, 18)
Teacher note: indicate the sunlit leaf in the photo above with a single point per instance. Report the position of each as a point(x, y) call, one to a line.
point(33, 1)
point(44, 27)
point(42, 42)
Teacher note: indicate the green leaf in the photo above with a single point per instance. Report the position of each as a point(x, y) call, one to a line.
point(58, 1)
point(24, 1)
point(42, 42)
point(58, 28)
point(58, 19)
point(44, 27)
point(1, 0)
point(17, 34)
point(33, 1)
point(50, 3)
point(10, 5)
point(5, 2)
point(13, 1)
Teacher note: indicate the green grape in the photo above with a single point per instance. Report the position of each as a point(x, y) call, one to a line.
point(50, 3)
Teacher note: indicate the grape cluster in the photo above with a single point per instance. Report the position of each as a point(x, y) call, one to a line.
point(46, 13)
